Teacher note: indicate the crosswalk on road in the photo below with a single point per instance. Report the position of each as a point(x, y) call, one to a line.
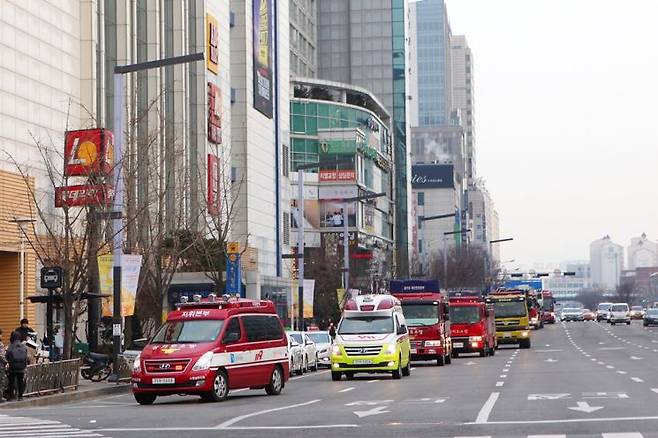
point(27, 427)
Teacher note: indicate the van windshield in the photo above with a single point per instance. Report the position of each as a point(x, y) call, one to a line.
point(421, 314)
point(620, 308)
point(604, 306)
point(366, 325)
point(188, 332)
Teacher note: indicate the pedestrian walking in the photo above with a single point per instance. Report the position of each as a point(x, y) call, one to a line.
point(17, 362)
point(4, 380)
point(332, 332)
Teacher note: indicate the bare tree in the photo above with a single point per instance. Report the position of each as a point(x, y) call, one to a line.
point(466, 267)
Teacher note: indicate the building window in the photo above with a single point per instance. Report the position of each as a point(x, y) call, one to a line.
point(286, 161)
point(420, 222)
point(421, 198)
point(420, 246)
point(286, 228)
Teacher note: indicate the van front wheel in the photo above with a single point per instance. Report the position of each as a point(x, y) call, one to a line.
point(276, 382)
point(219, 388)
point(335, 376)
point(397, 374)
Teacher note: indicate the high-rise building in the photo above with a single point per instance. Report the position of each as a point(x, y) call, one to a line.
point(606, 262)
point(642, 253)
point(303, 38)
point(364, 43)
point(481, 211)
point(463, 95)
point(433, 63)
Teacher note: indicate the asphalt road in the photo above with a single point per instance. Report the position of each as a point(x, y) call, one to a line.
point(579, 379)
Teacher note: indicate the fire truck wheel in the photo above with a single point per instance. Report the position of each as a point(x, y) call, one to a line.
point(220, 388)
point(335, 376)
point(525, 343)
point(492, 352)
point(145, 399)
point(483, 353)
point(276, 382)
point(441, 361)
point(448, 359)
point(397, 374)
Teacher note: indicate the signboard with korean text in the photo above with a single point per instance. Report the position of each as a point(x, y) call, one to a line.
point(338, 192)
point(214, 197)
point(233, 275)
point(262, 56)
point(337, 175)
point(432, 176)
point(130, 267)
point(82, 195)
point(214, 114)
point(88, 152)
point(212, 44)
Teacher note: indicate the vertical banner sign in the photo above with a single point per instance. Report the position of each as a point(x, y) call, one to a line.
point(213, 185)
point(212, 44)
point(233, 275)
point(130, 268)
point(214, 114)
point(262, 54)
point(309, 294)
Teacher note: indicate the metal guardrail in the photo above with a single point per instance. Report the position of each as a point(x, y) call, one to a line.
point(43, 378)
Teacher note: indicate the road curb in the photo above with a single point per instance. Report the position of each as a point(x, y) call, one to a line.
point(68, 396)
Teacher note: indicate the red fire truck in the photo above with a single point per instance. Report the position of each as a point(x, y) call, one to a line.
point(548, 306)
point(426, 310)
point(472, 325)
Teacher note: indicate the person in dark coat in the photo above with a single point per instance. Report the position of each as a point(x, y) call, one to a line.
point(4, 381)
point(332, 332)
point(24, 329)
point(17, 361)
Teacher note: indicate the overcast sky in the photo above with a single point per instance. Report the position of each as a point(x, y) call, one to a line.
point(566, 121)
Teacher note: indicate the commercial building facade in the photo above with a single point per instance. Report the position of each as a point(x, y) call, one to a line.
point(363, 43)
point(303, 38)
point(463, 96)
point(642, 253)
point(330, 122)
point(606, 262)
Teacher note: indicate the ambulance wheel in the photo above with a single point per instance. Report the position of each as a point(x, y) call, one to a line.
point(397, 374)
point(276, 382)
point(441, 361)
point(145, 399)
point(335, 376)
point(406, 371)
point(448, 359)
point(219, 388)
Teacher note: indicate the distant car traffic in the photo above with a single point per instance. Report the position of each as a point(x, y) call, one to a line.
point(323, 346)
point(619, 312)
point(637, 312)
point(651, 317)
point(571, 314)
point(588, 315)
point(603, 312)
point(295, 356)
point(310, 356)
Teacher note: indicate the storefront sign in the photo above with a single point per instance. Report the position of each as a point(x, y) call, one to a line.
point(262, 56)
point(338, 192)
point(214, 198)
point(432, 176)
point(88, 152)
point(82, 195)
point(337, 175)
point(212, 44)
point(214, 113)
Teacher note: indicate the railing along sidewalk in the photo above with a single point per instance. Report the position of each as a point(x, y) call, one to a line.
point(49, 377)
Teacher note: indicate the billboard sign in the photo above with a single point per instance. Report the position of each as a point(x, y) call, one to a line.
point(214, 197)
point(262, 56)
point(212, 44)
point(432, 176)
point(82, 195)
point(337, 175)
point(338, 192)
point(88, 152)
point(130, 268)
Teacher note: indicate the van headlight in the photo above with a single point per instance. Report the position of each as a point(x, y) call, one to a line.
point(204, 362)
point(335, 350)
point(389, 349)
point(137, 367)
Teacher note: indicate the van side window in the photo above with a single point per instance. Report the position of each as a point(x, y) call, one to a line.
point(262, 328)
point(232, 333)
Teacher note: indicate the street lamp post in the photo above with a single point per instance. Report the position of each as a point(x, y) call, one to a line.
point(22, 222)
point(346, 239)
point(445, 250)
point(117, 216)
point(490, 255)
point(431, 218)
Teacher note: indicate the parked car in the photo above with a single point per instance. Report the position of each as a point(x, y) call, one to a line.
point(323, 346)
point(603, 312)
point(651, 317)
point(588, 315)
point(571, 314)
point(295, 356)
point(310, 353)
point(637, 312)
point(619, 312)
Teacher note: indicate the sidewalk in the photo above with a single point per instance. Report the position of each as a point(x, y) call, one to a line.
point(86, 390)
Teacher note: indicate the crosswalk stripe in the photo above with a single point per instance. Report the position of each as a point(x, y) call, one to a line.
point(26, 427)
point(622, 435)
point(547, 436)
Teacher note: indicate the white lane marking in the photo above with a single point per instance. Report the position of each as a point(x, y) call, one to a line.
point(622, 435)
point(232, 421)
point(373, 381)
point(184, 429)
point(585, 407)
point(636, 358)
point(547, 436)
point(483, 415)
point(600, 363)
point(378, 410)
point(500, 383)
point(622, 372)
point(347, 389)
point(505, 370)
point(534, 397)
point(567, 420)
point(305, 376)
point(610, 367)
point(503, 376)
point(547, 351)
point(637, 379)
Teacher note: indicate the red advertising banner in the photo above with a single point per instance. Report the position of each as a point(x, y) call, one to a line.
point(214, 114)
point(213, 185)
point(82, 195)
point(88, 152)
point(337, 175)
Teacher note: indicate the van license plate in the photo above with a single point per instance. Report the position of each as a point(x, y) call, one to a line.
point(164, 380)
point(458, 344)
point(362, 362)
